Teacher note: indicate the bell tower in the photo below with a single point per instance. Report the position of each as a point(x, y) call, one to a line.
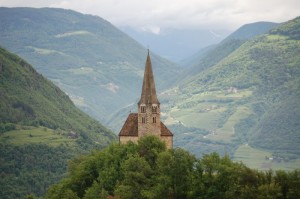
point(147, 120)
point(148, 106)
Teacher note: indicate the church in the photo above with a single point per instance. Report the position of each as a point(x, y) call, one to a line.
point(147, 120)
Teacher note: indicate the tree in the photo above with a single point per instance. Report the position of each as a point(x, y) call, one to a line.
point(174, 173)
point(147, 170)
point(96, 191)
point(149, 147)
point(137, 178)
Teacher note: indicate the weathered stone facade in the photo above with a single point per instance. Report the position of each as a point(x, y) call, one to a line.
point(147, 120)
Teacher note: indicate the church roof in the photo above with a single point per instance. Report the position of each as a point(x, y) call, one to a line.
point(130, 127)
point(164, 130)
point(148, 95)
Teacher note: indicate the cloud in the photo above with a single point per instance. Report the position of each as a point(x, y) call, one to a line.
point(153, 29)
point(155, 15)
point(111, 87)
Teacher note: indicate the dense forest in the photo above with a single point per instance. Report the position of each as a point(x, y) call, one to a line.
point(31, 168)
point(148, 170)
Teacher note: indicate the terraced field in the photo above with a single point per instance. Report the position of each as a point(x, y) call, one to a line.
point(38, 135)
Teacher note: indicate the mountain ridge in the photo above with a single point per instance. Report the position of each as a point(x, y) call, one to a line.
point(99, 66)
point(207, 58)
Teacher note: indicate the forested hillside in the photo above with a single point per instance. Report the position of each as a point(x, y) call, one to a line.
point(213, 54)
point(148, 170)
point(40, 130)
point(248, 100)
point(100, 67)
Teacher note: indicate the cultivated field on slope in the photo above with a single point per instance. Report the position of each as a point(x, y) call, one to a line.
point(37, 135)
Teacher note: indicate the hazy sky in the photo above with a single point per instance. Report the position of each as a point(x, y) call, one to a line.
point(153, 15)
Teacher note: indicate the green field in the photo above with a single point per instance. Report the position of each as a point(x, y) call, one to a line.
point(227, 131)
point(255, 158)
point(219, 112)
point(207, 110)
point(36, 135)
point(194, 118)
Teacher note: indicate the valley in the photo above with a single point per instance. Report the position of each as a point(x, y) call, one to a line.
point(231, 102)
point(239, 97)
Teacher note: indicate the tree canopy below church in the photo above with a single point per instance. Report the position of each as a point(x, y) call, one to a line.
point(148, 170)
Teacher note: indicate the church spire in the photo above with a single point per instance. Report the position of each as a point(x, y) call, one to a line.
point(147, 120)
point(148, 95)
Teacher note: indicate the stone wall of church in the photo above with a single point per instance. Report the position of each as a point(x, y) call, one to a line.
point(149, 120)
point(125, 139)
point(168, 140)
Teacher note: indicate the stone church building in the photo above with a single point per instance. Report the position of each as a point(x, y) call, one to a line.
point(147, 120)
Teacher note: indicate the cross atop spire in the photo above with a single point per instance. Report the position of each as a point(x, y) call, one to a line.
point(148, 95)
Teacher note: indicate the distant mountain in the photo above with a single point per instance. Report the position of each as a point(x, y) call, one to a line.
point(251, 30)
point(195, 58)
point(96, 64)
point(40, 130)
point(211, 55)
point(176, 44)
point(248, 96)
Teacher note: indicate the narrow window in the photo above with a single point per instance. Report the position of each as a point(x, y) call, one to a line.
point(154, 109)
point(143, 109)
point(154, 119)
point(143, 120)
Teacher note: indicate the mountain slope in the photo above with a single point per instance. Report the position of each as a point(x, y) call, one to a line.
point(250, 96)
point(251, 30)
point(96, 64)
point(40, 130)
point(27, 98)
point(281, 121)
point(207, 58)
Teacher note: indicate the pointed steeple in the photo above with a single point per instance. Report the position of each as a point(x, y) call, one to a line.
point(147, 120)
point(148, 95)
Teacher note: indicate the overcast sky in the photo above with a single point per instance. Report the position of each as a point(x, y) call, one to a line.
point(153, 15)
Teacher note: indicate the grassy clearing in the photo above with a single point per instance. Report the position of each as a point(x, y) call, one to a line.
point(192, 118)
point(68, 34)
point(221, 94)
point(227, 131)
point(38, 135)
point(256, 159)
point(43, 51)
point(204, 110)
point(237, 95)
point(198, 112)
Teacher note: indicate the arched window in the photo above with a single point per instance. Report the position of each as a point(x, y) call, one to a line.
point(154, 119)
point(143, 109)
point(154, 109)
